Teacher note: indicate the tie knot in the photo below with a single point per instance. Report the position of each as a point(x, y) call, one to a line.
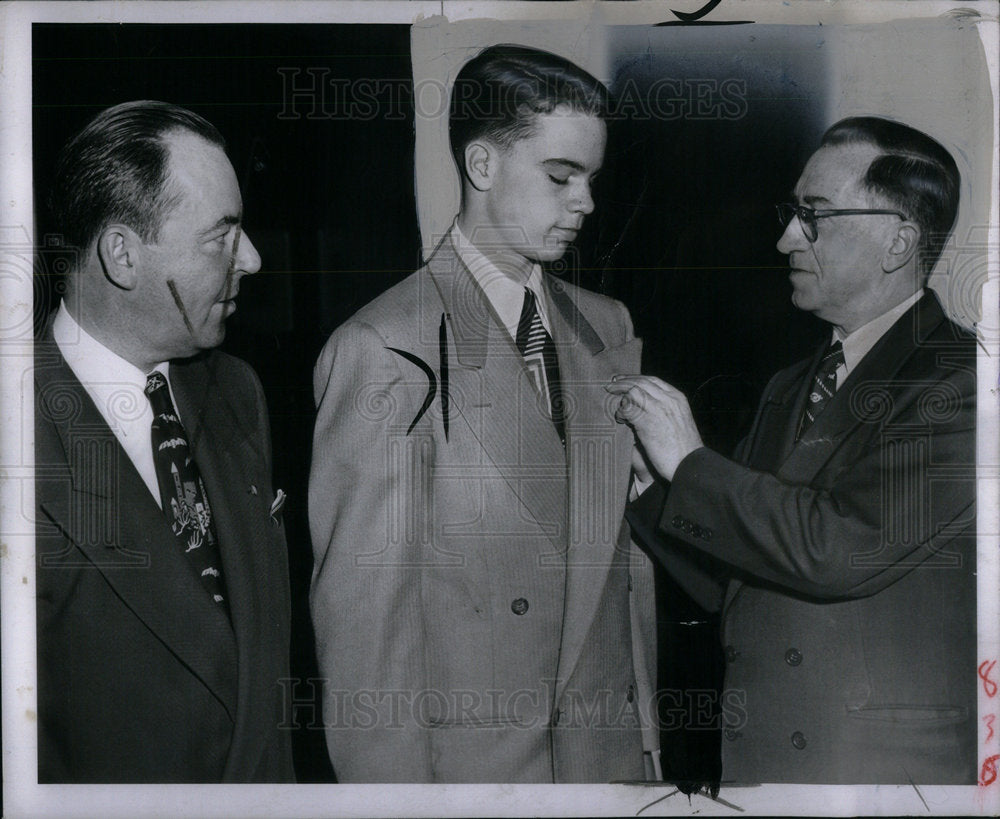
point(529, 307)
point(833, 358)
point(155, 381)
point(835, 354)
point(158, 393)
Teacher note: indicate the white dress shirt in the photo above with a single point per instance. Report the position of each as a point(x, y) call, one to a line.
point(117, 388)
point(858, 343)
point(504, 293)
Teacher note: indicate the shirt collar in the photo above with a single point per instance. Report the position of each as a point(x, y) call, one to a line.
point(103, 372)
point(858, 343)
point(504, 294)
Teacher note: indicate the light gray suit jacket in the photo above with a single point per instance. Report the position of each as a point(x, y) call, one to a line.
point(480, 612)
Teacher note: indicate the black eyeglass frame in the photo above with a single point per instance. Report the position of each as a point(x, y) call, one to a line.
point(808, 216)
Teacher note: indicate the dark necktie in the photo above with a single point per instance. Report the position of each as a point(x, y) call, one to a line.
point(185, 502)
point(824, 385)
point(539, 351)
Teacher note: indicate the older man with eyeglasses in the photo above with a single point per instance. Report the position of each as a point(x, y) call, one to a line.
point(840, 539)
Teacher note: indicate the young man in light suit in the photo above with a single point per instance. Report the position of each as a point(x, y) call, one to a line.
point(846, 520)
point(480, 613)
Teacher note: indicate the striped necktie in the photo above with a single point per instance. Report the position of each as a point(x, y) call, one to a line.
point(823, 387)
point(539, 351)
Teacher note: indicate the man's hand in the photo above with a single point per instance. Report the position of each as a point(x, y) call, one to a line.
point(640, 466)
point(661, 418)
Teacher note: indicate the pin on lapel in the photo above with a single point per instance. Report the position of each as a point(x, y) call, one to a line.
point(277, 505)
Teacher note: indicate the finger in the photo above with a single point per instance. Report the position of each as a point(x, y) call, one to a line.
point(649, 384)
point(636, 379)
point(634, 402)
point(627, 410)
point(638, 408)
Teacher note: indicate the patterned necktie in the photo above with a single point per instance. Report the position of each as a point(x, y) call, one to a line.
point(823, 387)
point(185, 502)
point(539, 351)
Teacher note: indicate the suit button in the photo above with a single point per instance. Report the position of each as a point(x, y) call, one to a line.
point(686, 527)
point(731, 654)
point(519, 606)
point(696, 530)
point(677, 521)
point(630, 693)
point(798, 740)
point(731, 734)
point(793, 656)
point(706, 534)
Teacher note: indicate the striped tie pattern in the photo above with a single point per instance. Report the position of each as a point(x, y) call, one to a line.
point(539, 352)
point(182, 493)
point(823, 387)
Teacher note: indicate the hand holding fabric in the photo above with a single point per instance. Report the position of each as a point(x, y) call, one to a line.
point(661, 418)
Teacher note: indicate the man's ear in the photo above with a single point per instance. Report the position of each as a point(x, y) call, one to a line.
point(904, 246)
point(480, 164)
point(117, 249)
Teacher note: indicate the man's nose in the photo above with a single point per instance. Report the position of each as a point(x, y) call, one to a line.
point(247, 260)
point(583, 201)
point(793, 237)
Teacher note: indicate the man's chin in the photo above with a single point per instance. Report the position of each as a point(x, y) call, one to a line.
point(803, 297)
point(208, 340)
point(550, 253)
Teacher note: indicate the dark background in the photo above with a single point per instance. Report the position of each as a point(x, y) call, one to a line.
point(684, 232)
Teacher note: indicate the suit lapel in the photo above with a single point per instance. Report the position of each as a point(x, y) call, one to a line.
point(491, 392)
point(221, 448)
point(226, 453)
point(599, 455)
point(139, 556)
point(773, 436)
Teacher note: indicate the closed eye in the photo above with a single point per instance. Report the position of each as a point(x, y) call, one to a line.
point(558, 180)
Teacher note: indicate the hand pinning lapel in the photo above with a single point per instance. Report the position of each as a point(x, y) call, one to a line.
point(431, 378)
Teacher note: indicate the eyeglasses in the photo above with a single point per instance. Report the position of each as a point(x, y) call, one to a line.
point(808, 216)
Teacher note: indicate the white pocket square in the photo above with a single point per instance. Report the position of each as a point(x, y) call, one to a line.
point(278, 504)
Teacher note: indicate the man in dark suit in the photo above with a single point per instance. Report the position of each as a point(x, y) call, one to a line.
point(846, 519)
point(162, 587)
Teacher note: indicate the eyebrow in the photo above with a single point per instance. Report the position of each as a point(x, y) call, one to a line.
point(568, 163)
point(225, 221)
point(815, 200)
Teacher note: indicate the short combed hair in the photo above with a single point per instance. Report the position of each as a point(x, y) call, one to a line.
point(116, 169)
point(914, 173)
point(500, 92)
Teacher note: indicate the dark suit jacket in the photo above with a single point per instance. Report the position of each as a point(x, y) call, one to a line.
point(141, 678)
point(850, 626)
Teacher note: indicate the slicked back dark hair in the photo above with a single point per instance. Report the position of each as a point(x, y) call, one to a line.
point(116, 169)
point(914, 173)
point(500, 92)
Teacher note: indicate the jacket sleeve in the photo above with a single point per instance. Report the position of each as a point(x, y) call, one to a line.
point(365, 594)
point(878, 510)
point(687, 568)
